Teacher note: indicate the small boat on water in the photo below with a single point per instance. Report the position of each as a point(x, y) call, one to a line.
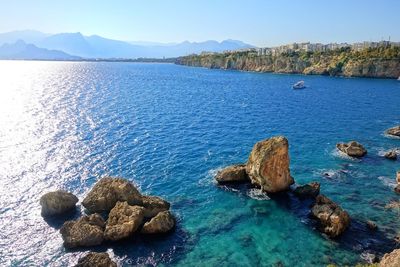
point(299, 85)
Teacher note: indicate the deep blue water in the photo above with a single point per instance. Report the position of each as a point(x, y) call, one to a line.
point(169, 129)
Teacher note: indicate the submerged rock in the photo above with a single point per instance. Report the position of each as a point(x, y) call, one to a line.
point(108, 191)
point(57, 202)
point(163, 222)
point(94, 259)
point(372, 226)
point(154, 205)
point(352, 149)
point(123, 221)
point(268, 165)
point(333, 219)
point(308, 190)
point(232, 174)
point(394, 131)
point(85, 232)
point(391, 155)
point(391, 259)
point(397, 189)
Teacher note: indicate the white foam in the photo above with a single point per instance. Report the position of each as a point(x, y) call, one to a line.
point(339, 154)
point(388, 181)
point(390, 136)
point(257, 194)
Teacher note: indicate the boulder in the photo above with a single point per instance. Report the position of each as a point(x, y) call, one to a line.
point(163, 222)
point(94, 259)
point(123, 221)
point(391, 259)
point(232, 174)
point(57, 202)
point(398, 177)
point(153, 205)
point(352, 149)
point(310, 190)
point(268, 165)
point(108, 191)
point(332, 218)
point(85, 232)
point(391, 155)
point(394, 131)
point(397, 189)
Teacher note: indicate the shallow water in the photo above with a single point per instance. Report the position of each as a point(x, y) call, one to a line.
point(169, 128)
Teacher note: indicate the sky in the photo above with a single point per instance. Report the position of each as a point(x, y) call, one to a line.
point(258, 22)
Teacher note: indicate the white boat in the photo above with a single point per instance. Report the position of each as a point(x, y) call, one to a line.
point(299, 85)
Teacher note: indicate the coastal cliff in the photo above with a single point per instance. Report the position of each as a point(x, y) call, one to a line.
point(382, 62)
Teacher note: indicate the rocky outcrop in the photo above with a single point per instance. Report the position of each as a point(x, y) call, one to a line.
point(123, 221)
point(391, 259)
point(391, 155)
point(395, 131)
point(163, 222)
point(310, 190)
point(232, 174)
point(154, 205)
point(85, 232)
point(268, 165)
point(397, 188)
point(352, 149)
point(108, 191)
point(332, 218)
point(57, 202)
point(94, 259)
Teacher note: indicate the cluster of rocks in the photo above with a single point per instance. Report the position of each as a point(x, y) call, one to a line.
point(128, 212)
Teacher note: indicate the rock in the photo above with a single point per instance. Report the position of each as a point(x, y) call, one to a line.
point(163, 222)
point(268, 165)
point(394, 131)
point(108, 191)
point(85, 232)
point(391, 259)
point(57, 202)
point(352, 149)
point(94, 259)
point(232, 174)
point(398, 177)
point(391, 155)
point(153, 205)
point(123, 221)
point(397, 189)
point(372, 226)
point(333, 219)
point(308, 190)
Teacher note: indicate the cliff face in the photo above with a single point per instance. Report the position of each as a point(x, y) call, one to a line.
point(378, 62)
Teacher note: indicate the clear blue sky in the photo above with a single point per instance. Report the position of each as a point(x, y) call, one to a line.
point(259, 22)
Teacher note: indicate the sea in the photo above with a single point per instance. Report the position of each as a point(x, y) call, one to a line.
point(169, 129)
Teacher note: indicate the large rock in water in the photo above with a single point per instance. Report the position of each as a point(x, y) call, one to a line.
point(268, 165)
point(394, 131)
point(232, 174)
point(391, 155)
point(352, 149)
point(108, 191)
point(310, 190)
point(57, 202)
point(154, 205)
point(163, 222)
point(85, 232)
point(333, 219)
point(391, 259)
point(123, 221)
point(94, 259)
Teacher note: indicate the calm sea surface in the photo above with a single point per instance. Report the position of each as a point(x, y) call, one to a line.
point(169, 129)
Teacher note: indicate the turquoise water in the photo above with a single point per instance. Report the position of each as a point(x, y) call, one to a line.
point(169, 129)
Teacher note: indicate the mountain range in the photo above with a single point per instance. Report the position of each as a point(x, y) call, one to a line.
point(64, 45)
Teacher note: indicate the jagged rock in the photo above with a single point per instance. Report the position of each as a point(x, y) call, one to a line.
point(123, 221)
point(352, 149)
point(84, 232)
point(394, 131)
point(107, 191)
point(57, 202)
point(333, 219)
point(153, 205)
point(163, 222)
point(391, 259)
point(268, 165)
point(391, 155)
point(398, 177)
point(232, 174)
point(372, 226)
point(94, 259)
point(307, 190)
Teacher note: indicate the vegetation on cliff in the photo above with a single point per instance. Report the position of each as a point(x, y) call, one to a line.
point(381, 62)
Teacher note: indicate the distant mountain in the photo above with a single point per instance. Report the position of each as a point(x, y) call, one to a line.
point(22, 50)
point(99, 47)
